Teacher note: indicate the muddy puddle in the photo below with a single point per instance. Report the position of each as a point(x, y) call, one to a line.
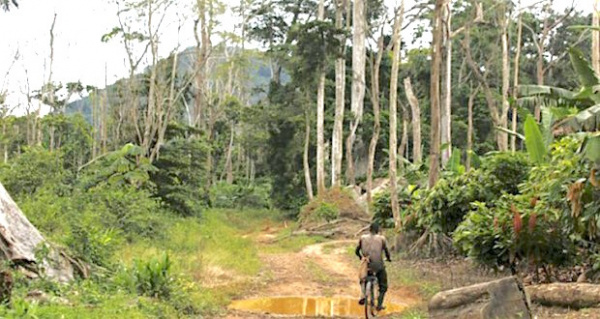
point(309, 306)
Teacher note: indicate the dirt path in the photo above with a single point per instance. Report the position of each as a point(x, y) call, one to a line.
point(321, 270)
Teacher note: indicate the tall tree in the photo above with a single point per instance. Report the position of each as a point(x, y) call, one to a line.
point(446, 108)
point(375, 63)
point(358, 81)
point(436, 64)
point(321, 117)
point(470, 127)
point(503, 137)
point(416, 120)
point(337, 138)
point(397, 41)
point(516, 70)
point(596, 37)
point(540, 40)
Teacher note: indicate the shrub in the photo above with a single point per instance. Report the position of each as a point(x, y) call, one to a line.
point(506, 171)
point(153, 278)
point(225, 195)
point(93, 244)
point(512, 232)
point(34, 169)
point(181, 175)
point(382, 206)
point(333, 203)
point(443, 207)
point(327, 212)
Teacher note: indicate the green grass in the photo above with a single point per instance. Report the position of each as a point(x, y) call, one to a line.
point(408, 277)
point(220, 239)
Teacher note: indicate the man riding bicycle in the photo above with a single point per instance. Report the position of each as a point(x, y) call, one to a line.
point(373, 246)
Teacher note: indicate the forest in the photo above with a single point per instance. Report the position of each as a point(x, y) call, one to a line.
point(245, 165)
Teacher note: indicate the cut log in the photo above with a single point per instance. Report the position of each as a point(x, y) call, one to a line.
point(20, 240)
point(568, 295)
point(490, 300)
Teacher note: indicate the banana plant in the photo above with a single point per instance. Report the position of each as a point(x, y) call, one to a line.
point(586, 101)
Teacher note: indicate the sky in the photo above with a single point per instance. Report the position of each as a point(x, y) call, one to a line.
point(80, 55)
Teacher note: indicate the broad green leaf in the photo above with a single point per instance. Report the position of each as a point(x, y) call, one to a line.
point(584, 70)
point(534, 141)
point(475, 160)
point(547, 119)
point(591, 148)
point(454, 162)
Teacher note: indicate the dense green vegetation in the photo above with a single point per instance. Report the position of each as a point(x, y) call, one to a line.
point(152, 180)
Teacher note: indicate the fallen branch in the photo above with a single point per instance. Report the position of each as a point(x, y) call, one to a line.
point(567, 295)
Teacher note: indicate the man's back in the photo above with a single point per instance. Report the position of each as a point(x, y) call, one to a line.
point(372, 246)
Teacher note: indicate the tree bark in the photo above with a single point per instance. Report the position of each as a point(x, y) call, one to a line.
point(229, 159)
point(470, 128)
point(321, 119)
point(436, 61)
point(503, 137)
point(596, 38)
point(307, 179)
point(416, 120)
point(446, 111)
point(396, 39)
point(403, 148)
point(567, 295)
point(375, 100)
point(337, 138)
point(358, 82)
point(516, 69)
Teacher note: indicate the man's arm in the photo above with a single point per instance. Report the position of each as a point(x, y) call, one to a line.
point(386, 251)
point(357, 251)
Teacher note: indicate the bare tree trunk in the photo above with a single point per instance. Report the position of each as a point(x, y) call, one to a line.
point(513, 139)
point(5, 142)
point(396, 39)
point(436, 61)
point(50, 86)
point(596, 37)
point(503, 137)
point(229, 160)
point(321, 119)
point(375, 65)
point(470, 129)
point(416, 120)
point(337, 138)
point(358, 81)
point(105, 107)
point(203, 45)
point(403, 148)
point(446, 111)
point(307, 179)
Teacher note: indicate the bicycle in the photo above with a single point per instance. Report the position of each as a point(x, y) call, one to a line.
point(370, 282)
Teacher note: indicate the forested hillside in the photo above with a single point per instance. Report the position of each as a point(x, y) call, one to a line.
point(465, 128)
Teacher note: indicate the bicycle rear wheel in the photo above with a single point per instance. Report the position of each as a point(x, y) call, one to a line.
point(369, 300)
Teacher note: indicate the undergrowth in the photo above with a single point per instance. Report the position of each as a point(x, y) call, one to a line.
point(159, 277)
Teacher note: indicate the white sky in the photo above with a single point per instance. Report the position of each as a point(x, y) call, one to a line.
point(79, 53)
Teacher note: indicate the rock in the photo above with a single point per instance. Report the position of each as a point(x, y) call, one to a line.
point(499, 299)
point(568, 295)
